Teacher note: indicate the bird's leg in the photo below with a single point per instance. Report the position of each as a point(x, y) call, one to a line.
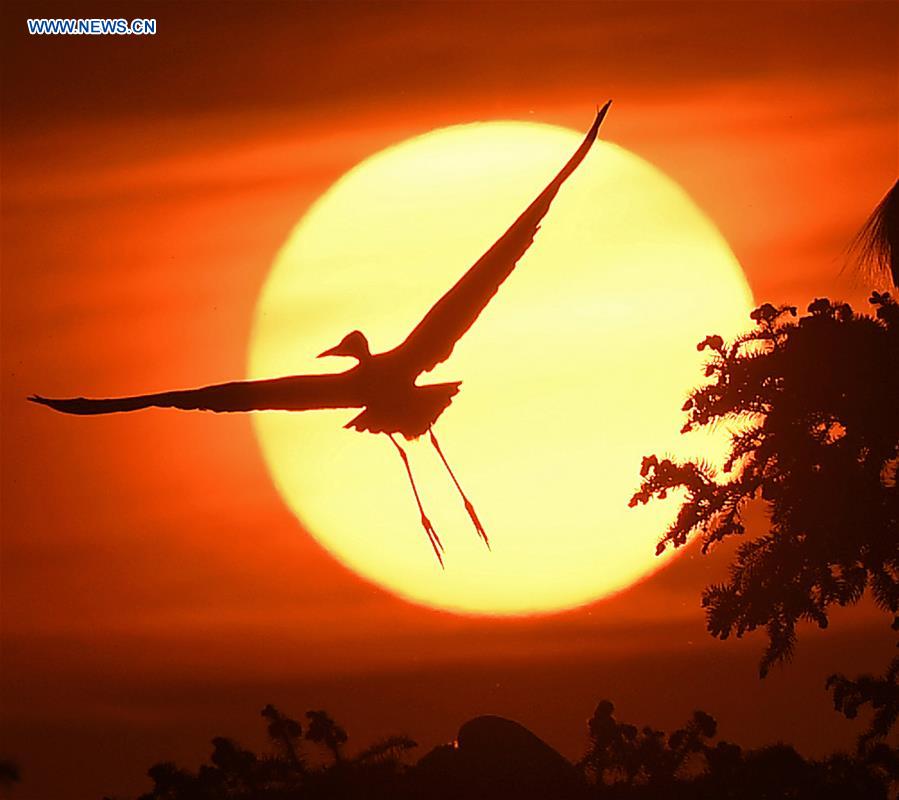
point(425, 522)
point(468, 506)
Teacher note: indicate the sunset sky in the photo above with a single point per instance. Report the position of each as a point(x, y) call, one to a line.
point(156, 591)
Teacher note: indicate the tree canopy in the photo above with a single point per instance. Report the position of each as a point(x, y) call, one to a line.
point(813, 404)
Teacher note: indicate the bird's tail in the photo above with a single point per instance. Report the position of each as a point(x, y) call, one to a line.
point(85, 406)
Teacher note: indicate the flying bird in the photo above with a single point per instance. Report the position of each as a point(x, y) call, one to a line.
point(384, 385)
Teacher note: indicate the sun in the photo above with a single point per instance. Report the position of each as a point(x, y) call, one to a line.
point(573, 373)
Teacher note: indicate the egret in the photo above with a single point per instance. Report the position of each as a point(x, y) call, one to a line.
point(384, 385)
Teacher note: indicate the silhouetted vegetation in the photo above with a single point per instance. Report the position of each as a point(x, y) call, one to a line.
point(623, 761)
point(239, 774)
point(494, 758)
point(881, 693)
point(814, 405)
point(9, 773)
point(876, 246)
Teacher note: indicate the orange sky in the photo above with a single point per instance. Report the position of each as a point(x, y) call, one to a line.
point(156, 592)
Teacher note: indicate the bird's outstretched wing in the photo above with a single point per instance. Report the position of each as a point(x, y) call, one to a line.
point(296, 393)
point(434, 338)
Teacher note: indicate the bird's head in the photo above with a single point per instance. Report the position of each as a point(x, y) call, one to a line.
point(353, 345)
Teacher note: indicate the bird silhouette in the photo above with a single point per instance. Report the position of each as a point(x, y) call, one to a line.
point(384, 384)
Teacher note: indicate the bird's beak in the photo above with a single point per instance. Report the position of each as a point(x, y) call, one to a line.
point(332, 352)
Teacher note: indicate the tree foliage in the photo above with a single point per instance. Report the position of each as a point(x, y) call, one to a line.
point(235, 773)
point(623, 753)
point(881, 693)
point(876, 247)
point(814, 405)
point(325, 731)
point(284, 733)
point(624, 762)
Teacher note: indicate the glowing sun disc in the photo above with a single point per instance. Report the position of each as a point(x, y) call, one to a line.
point(575, 370)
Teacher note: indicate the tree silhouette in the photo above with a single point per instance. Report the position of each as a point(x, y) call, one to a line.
point(171, 782)
point(876, 247)
point(285, 734)
point(325, 731)
point(881, 693)
point(236, 773)
point(622, 753)
point(389, 750)
point(814, 402)
point(629, 763)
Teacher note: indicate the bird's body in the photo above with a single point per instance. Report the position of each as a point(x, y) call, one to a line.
point(409, 410)
point(384, 385)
